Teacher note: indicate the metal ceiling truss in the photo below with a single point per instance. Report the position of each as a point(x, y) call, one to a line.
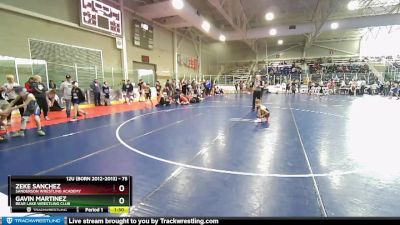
point(284, 50)
point(392, 9)
point(191, 35)
point(335, 49)
point(323, 10)
point(232, 11)
point(376, 7)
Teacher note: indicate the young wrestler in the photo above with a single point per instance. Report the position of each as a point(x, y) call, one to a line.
point(262, 112)
point(77, 97)
point(31, 107)
point(147, 92)
point(106, 92)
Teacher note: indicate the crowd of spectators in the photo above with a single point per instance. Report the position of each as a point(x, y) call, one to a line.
point(37, 98)
point(339, 68)
point(185, 92)
point(45, 96)
point(355, 87)
point(282, 68)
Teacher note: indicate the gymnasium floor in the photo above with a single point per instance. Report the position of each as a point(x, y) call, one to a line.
point(329, 156)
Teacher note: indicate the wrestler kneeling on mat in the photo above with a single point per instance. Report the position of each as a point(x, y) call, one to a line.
point(262, 112)
point(31, 107)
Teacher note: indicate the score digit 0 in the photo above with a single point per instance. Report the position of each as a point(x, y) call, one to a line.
point(121, 188)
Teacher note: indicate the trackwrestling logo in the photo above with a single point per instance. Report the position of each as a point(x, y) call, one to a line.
point(33, 220)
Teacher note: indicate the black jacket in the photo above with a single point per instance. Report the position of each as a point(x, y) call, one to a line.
point(129, 87)
point(79, 93)
point(39, 90)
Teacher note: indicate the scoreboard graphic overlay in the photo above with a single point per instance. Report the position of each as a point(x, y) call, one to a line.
point(82, 194)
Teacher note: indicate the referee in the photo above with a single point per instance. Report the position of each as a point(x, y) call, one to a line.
point(258, 86)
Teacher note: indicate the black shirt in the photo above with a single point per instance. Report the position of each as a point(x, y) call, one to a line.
point(106, 90)
point(158, 88)
point(129, 87)
point(1, 95)
point(39, 90)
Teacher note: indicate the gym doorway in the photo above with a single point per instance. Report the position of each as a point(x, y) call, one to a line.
point(145, 71)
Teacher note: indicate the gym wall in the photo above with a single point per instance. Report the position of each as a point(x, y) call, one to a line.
point(14, 42)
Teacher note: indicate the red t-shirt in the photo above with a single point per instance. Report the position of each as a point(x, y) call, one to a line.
point(28, 87)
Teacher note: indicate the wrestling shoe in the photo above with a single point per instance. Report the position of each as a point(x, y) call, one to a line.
point(19, 134)
point(41, 133)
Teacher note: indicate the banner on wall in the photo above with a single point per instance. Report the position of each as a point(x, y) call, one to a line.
point(188, 61)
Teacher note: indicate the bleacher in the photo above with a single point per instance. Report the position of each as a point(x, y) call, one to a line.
point(238, 72)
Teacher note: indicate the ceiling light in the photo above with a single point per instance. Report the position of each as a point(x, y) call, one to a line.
point(272, 32)
point(353, 5)
point(280, 42)
point(222, 37)
point(334, 26)
point(269, 16)
point(177, 4)
point(206, 25)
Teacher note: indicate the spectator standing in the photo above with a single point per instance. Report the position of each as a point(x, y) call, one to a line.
point(106, 92)
point(66, 88)
point(52, 85)
point(184, 87)
point(207, 86)
point(9, 92)
point(147, 93)
point(39, 91)
point(293, 87)
point(236, 87)
point(140, 86)
point(95, 86)
point(168, 88)
point(124, 92)
point(173, 87)
point(129, 91)
point(385, 88)
point(28, 85)
point(158, 89)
